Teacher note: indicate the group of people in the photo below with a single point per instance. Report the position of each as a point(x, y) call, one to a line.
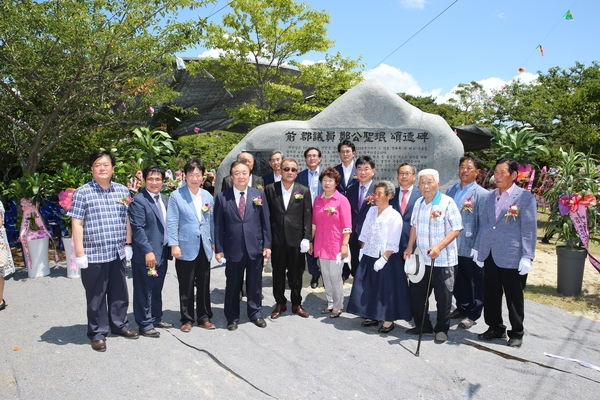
point(339, 222)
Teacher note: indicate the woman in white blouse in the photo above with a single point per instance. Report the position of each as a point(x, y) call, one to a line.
point(380, 290)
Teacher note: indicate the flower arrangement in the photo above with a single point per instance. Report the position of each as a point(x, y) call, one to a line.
point(260, 187)
point(467, 205)
point(355, 177)
point(513, 211)
point(330, 210)
point(571, 191)
point(126, 200)
point(257, 201)
point(152, 272)
point(206, 208)
point(435, 214)
point(65, 200)
point(370, 199)
point(298, 196)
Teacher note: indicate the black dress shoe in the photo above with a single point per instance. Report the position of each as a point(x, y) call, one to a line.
point(314, 282)
point(153, 333)
point(491, 335)
point(260, 322)
point(515, 342)
point(370, 322)
point(386, 329)
point(416, 330)
point(232, 326)
point(163, 325)
point(3, 305)
point(99, 345)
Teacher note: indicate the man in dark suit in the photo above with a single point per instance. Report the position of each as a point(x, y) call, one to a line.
point(275, 163)
point(290, 209)
point(360, 199)
point(243, 238)
point(310, 178)
point(405, 198)
point(255, 181)
point(347, 169)
point(147, 215)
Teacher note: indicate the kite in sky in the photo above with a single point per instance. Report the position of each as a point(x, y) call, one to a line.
point(568, 16)
point(521, 70)
point(539, 46)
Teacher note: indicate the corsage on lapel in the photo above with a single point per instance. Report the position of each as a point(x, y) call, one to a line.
point(513, 211)
point(298, 196)
point(370, 199)
point(126, 200)
point(206, 208)
point(435, 214)
point(257, 201)
point(467, 205)
point(330, 210)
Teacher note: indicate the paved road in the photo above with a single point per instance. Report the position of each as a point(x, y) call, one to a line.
point(45, 354)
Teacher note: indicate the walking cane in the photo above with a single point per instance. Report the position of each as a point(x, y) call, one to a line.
point(425, 306)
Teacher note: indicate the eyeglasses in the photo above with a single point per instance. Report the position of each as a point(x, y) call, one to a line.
point(288, 169)
point(363, 169)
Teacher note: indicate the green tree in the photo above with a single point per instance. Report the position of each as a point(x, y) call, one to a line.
point(520, 144)
point(259, 39)
point(68, 68)
point(449, 112)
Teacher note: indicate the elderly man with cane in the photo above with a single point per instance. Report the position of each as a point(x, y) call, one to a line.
point(435, 224)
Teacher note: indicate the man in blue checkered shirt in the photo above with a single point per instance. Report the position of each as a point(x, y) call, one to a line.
point(435, 224)
point(100, 234)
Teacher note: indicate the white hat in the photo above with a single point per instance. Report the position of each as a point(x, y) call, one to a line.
point(414, 267)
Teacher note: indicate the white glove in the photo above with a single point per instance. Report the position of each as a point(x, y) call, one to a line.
point(379, 264)
point(360, 254)
point(304, 245)
point(128, 253)
point(81, 262)
point(475, 255)
point(524, 266)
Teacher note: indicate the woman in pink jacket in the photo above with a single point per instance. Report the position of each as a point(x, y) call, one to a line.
point(332, 225)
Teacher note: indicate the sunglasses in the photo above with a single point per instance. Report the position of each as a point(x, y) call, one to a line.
point(288, 169)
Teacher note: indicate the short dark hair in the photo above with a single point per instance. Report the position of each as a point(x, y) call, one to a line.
point(348, 143)
point(414, 170)
point(312, 148)
point(513, 166)
point(153, 168)
point(291, 159)
point(101, 153)
point(332, 173)
point(235, 164)
point(365, 160)
point(192, 165)
point(470, 157)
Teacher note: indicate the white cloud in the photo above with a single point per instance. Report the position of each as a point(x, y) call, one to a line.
point(212, 53)
point(498, 14)
point(413, 3)
point(490, 84)
point(399, 81)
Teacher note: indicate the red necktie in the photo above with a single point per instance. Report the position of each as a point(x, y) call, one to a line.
point(404, 202)
point(242, 205)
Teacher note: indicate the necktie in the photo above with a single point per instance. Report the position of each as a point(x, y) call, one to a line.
point(161, 211)
point(313, 184)
point(361, 197)
point(242, 205)
point(404, 202)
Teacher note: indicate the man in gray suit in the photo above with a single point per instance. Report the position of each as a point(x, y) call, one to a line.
point(507, 247)
point(468, 281)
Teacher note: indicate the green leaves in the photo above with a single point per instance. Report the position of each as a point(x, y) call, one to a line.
point(520, 144)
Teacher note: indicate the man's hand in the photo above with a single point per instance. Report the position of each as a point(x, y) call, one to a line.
point(433, 252)
point(267, 253)
point(304, 245)
point(475, 255)
point(128, 253)
point(220, 257)
point(150, 260)
point(524, 266)
point(311, 249)
point(81, 262)
point(175, 251)
point(379, 264)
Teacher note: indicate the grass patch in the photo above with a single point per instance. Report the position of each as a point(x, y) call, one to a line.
point(584, 303)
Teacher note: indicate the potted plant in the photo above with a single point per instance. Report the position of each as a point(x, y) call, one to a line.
point(29, 191)
point(573, 215)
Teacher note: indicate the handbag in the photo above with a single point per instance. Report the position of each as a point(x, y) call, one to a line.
point(4, 255)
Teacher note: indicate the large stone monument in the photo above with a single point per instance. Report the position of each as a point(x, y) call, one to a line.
point(379, 122)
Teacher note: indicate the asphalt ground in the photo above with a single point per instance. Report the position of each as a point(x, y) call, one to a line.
point(45, 354)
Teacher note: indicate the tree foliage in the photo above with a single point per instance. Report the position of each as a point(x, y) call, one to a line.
point(520, 144)
point(72, 67)
point(259, 40)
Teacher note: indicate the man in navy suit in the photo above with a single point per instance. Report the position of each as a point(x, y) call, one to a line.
point(405, 198)
point(243, 239)
point(255, 180)
point(275, 163)
point(468, 281)
point(147, 215)
point(361, 199)
point(310, 178)
point(290, 211)
point(347, 169)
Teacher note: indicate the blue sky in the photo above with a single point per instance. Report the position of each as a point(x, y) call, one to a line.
point(474, 40)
